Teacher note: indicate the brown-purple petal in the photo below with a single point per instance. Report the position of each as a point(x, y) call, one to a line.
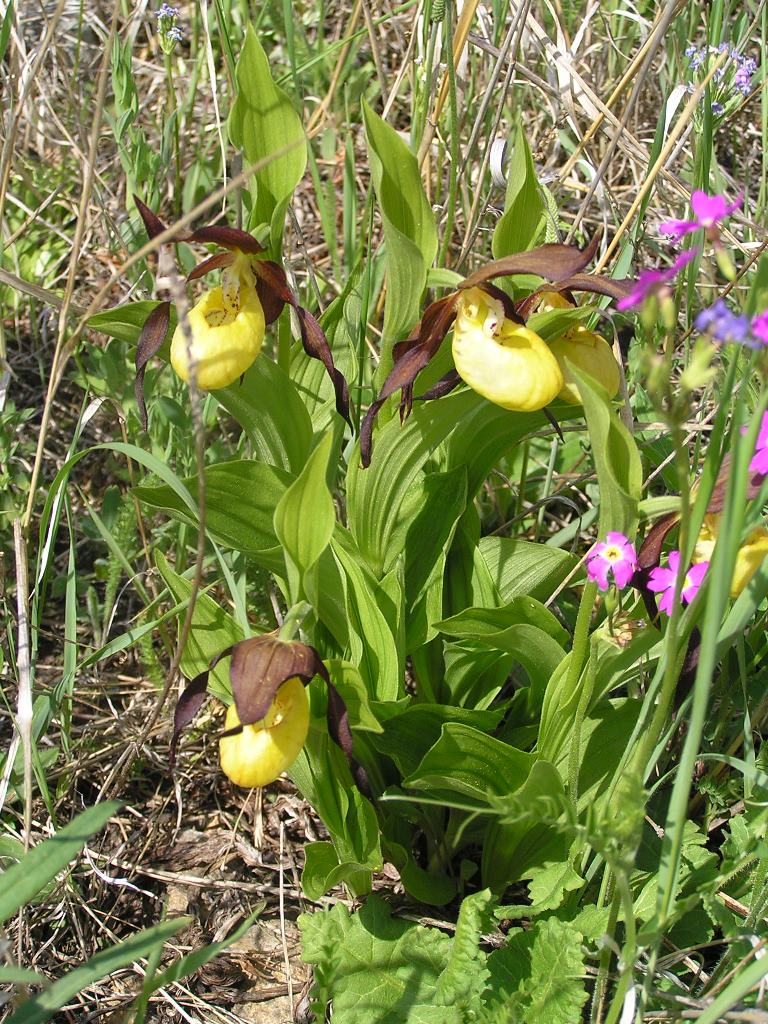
point(215, 262)
point(552, 261)
point(150, 340)
point(192, 698)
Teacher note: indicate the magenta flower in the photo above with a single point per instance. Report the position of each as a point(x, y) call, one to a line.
point(652, 282)
point(759, 327)
point(759, 463)
point(616, 556)
point(708, 211)
point(663, 581)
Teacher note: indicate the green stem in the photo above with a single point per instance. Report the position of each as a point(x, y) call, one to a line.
point(585, 697)
point(293, 620)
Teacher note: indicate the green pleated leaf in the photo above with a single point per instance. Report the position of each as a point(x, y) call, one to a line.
point(268, 407)
point(522, 221)
point(409, 228)
point(265, 126)
point(468, 764)
point(616, 457)
point(240, 498)
point(305, 517)
point(125, 322)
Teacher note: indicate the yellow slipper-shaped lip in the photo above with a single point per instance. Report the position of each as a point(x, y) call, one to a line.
point(590, 353)
point(264, 750)
point(504, 362)
point(226, 338)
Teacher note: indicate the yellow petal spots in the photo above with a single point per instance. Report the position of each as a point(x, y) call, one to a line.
point(227, 326)
point(503, 361)
point(264, 750)
point(749, 557)
point(589, 353)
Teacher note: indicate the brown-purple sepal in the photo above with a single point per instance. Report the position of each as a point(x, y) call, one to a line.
point(552, 261)
point(227, 238)
point(411, 356)
point(150, 341)
point(154, 226)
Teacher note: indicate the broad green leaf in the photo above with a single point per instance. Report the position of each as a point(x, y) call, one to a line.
point(373, 645)
point(348, 681)
point(521, 223)
point(523, 628)
point(373, 966)
point(409, 229)
point(409, 733)
point(520, 567)
point(304, 518)
point(540, 973)
point(523, 838)
point(124, 323)
point(43, 1006)
point(617, 460)
point(265, 126)
point(240, 499)
point(323, 871)
point(469, 763)
point(477, 435)
point(554, 322)
point(212, 630)
point(23, 880)
point(268, 407)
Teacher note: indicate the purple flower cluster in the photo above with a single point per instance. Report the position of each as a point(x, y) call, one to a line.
point(167, 27)
point(725, 326)
point(732, 78)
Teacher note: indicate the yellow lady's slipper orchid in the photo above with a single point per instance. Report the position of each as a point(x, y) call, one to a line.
point(590, 353)
point(263, 751)
point(749, 557)
point(504, 362)
point(227, 326)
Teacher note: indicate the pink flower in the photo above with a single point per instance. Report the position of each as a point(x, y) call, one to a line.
point(651, 282)
point(615, 556)
point(759, 327)
point(663, 581)
point(759, 463)
point(707, 212)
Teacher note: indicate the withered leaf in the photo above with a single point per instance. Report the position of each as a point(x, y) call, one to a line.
point(150, 341)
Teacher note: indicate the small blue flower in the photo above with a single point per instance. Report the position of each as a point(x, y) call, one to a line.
point(723, 325)
point(718, 109)
point(166, 11)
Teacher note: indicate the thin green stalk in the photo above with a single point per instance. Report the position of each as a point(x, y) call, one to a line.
point(585, 698)
point(173, 112)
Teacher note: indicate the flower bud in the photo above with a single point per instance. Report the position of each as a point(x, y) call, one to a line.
point(504, 362)
point(227, 326)
point(264, 750)
point(590, 353)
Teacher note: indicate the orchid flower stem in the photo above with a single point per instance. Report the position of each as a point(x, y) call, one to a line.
point(173, 112)
point(293, 620)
